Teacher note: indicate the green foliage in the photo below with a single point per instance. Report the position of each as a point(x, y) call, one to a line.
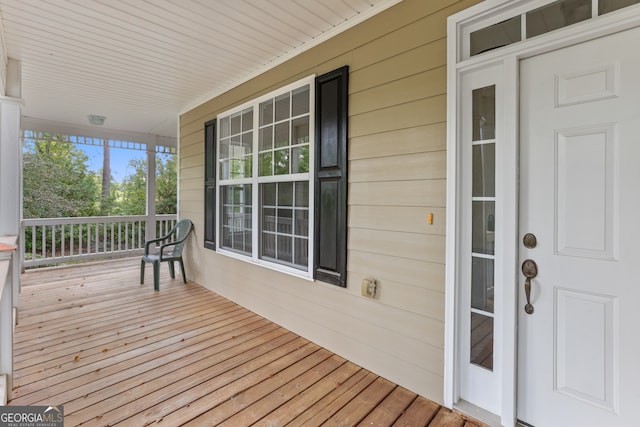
point(56, 180)
point(131, 198)
point(166, 184)
point(57, 184)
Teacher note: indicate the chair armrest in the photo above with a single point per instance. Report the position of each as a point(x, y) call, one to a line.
point(148, 243)
point(176, 242)
point(166, 245)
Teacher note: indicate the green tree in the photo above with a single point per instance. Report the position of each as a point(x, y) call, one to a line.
point(56, 180)
point(132, 192)
point(166, 184)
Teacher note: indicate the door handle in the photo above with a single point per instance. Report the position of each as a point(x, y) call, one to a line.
point(530, 270)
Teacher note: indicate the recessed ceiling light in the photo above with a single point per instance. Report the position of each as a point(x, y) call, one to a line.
point(96, 120)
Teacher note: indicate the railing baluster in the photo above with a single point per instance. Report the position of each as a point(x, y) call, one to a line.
point(80, 233)
point(53, 241)
point(34, 247)
point(43, 255)
point(120, 236)
point(71, 239)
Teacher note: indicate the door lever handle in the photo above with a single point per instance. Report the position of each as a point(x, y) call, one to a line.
point(530, 270)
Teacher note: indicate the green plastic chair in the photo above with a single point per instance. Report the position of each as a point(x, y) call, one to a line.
point(176, 239)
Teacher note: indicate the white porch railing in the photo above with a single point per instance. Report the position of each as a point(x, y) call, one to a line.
point(49, 241)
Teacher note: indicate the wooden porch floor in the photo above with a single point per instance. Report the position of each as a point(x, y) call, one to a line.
point(117, 353)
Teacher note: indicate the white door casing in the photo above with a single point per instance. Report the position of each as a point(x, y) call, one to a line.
point(580, 196)
point(509, 59)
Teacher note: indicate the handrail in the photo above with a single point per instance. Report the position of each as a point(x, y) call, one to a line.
point(50, 241)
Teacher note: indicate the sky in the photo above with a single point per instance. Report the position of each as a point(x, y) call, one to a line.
point(119, 160)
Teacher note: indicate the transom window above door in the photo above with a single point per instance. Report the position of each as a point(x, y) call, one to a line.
point(534, 21)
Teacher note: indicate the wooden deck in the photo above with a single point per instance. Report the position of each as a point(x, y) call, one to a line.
point(117, 353)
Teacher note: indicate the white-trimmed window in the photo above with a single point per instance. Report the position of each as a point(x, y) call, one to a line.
point(264, 185)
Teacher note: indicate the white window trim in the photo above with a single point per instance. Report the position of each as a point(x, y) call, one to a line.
point(255, 180)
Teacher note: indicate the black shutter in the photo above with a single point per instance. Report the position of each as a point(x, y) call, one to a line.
point(330, 258)
point(210, 185)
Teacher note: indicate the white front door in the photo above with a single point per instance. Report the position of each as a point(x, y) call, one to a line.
point(579, 350)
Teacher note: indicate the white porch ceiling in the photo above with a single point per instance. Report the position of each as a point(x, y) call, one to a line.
point(141, 62)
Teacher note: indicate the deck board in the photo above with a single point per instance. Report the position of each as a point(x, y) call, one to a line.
point(115, 352)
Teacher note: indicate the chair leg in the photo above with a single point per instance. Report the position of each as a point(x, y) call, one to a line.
point(172, 270)
point(142, 272)
point(184, 274)
point(156, 276)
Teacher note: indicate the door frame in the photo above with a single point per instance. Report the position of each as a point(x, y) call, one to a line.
point(507, 271)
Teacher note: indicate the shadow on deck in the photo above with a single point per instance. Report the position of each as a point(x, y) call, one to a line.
point(117, 353)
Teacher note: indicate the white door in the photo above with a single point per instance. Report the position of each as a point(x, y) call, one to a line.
point(579, 351)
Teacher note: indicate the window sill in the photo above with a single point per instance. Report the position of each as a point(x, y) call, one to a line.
point(304, 275)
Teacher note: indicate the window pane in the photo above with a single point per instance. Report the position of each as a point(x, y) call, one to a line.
point(236, 212)
point(484, 170)
point(300, 101)
point(281, 162)
point(482, 340)
point(284, 250)
point(302, 222)
point(285, 194)
point(265, 138)
point(301, 252)
point(282, 107)
point(247, 119)
point(224, 148)
point(224, 169)
point(266, 164)
point(482, 284)
point(225, 127)
point(235, 123)
point(606, 6)
point(247, 143)
point(483, 227)
point(302, 194)
point(269, 194)
point(268, 245)
point(266, 112)
point(248, 166)
point(268, 219)
point(300, 131)
point(557, 15)
point(300, 159)
point(484, 113)
point(285, 221)
point(498, 35)
point(282, 135)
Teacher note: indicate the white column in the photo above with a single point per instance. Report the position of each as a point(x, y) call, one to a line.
point(151, 191)
point(10, 152)
point(10, 208)
point(10, 170)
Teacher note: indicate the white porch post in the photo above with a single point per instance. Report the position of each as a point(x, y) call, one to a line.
point(10, 208)
point(151, 191)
